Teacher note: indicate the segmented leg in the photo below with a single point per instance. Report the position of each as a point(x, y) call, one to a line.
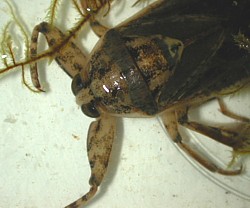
point(69, 57)
point(178, 117)
point(236, 136)
point(99, 145)
point(236, 140)
point(97, 27)
point(91, 6)
point(224, 110)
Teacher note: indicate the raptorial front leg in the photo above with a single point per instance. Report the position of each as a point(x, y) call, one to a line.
point(99, 144)
point(171, 122)
point(69, 57)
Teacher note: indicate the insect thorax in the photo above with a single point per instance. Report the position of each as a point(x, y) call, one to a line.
point(127, 73)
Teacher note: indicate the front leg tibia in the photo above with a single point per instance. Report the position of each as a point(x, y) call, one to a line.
point(99, 145)
point(100, 140)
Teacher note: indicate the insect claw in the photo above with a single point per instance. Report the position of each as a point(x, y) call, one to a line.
point(41, 90)
point(208, 164)
point(230, 172)
point(37, 85)
point(85, 198)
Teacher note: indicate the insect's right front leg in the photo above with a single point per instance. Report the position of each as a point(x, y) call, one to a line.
point(64, 51)
point(99, 145)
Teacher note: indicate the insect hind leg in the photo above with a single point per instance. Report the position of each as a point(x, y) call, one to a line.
point(235, 135)
point(178, 117)
point(225, 111)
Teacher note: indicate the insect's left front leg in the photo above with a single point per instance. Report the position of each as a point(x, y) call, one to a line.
point(172, 119)
point(69, 57)
point(99, 144)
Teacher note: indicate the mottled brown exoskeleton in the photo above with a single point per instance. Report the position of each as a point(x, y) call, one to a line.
point(173, 55)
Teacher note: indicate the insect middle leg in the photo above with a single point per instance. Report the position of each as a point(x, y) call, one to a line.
point(178, 117)
point(98, 28)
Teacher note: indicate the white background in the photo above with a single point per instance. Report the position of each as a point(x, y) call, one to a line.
point(43, 152)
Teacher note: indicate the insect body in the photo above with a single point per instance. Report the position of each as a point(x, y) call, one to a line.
point(174, 55)
point(123, 83)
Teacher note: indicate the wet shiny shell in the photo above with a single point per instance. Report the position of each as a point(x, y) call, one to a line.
point(127, 73)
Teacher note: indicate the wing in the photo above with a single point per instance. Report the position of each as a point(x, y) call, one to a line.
point(223, 73)
point(174, 18)
point(212, 63)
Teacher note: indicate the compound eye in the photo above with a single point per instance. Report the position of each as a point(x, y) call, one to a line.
point(77, 84)
point(90, 110)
